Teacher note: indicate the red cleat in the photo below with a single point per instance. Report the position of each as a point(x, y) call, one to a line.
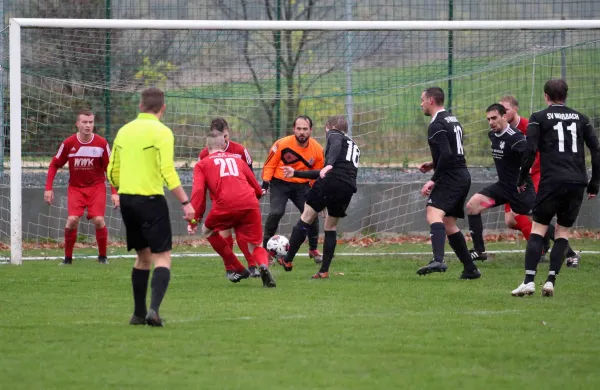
point(321, 275)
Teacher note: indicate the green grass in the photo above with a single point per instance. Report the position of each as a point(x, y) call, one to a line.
point(377, 326)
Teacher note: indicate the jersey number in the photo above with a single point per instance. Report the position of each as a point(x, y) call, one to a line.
point(561, 136)
point(228, 166)
point(459, 135)
point(353, 153)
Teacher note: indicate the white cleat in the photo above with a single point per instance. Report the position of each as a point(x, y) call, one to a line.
point(548, 290)
point(524, 289)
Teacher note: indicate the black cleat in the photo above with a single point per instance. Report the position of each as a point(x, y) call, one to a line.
point(254, 272)
point(235, 277)
point(472, 274)
point(267, 278)
point(153, 319)
point(67, 261)
point(573, 261)
point(102, 260)
point(135, 320)
point(433, 266)
point(482, 256)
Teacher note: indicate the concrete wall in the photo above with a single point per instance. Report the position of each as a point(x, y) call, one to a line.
point(379, 208)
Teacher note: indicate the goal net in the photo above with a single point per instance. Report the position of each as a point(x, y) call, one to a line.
point(259, 76)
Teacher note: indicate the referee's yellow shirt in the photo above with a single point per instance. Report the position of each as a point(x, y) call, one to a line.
point(141, 162)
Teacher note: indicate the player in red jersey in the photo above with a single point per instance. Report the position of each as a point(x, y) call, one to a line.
point(512, 220)
point(235, 193)
point(88, 155)
point(221, 125)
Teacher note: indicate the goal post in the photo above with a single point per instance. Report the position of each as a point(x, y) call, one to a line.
point(395, 66)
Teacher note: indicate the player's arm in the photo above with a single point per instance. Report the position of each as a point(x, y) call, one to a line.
point(248, 158)
point(591, 141)
point(199, 192)
point(313, 174)
point(113, 170)
point(270, 166)
point(439, 140)
point(252, 180)
point(57, 162)
point(528, 157)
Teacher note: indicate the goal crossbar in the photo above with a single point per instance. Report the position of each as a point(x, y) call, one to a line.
point(15, 64)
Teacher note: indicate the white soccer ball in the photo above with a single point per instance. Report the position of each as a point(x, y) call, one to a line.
point(278, 246)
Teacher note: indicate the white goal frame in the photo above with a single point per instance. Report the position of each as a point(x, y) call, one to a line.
point(16, 24)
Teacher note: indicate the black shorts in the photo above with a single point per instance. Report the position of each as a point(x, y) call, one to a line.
point(564, 201)
point(521, 203)
point(450, 193)
point(147, 222)
point(331, 193)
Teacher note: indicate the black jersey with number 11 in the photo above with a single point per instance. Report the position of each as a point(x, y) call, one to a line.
point(445, 142)
point(561, 134)
point(343, 155)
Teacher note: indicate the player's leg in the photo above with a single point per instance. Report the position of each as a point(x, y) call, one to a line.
point(567, 213)
point(248, 233)
point(457, 242)
point(156, 229)
point(75, 207)
point(278, 200)
point(217, 220)
point(96, 209)
point(437, 232)
point(298, 198)
point(522, 205)
point(140, 273)
point(329, 245)
point(475, 206)
point(227, 234)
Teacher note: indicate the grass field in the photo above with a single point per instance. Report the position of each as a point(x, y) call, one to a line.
point(378, 325)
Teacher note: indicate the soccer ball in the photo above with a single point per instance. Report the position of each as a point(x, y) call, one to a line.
point(278, 246)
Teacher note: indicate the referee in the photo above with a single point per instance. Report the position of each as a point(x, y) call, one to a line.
point(142, 160)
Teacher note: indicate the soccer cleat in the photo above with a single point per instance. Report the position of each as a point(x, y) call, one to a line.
point(548, 289)
point(478, 255)
point(153, 319)
point(228, 273)
point(267, 278)
point(286, 266)
point(524, 289)
point(433, 266)
point(67, 261)
point(320, 275)
point(469, 275)
point(315, 255)
point(235, 277)
point(254, 272)
point(102, 260)
point(135, 320)
point(573, 261)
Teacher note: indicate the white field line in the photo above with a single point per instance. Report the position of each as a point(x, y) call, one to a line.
point(345, 254)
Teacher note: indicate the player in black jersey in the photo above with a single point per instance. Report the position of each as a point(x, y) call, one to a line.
point(559, 133)
point(508, 146)
point(448, 187)
point(335, 185)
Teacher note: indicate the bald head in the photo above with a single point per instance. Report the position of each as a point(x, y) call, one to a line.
point(215, 141)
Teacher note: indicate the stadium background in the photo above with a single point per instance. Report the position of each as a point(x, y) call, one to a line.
point(388, 123)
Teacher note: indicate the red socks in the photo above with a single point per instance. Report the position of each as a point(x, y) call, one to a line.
point(524, 225)
point(70, 239)
point(261, 255)
point(220, 246)
point(249, 256)
point(229, 241)
point(102, 240)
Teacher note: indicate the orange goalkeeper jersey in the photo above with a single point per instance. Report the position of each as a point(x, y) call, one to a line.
point(286, 151)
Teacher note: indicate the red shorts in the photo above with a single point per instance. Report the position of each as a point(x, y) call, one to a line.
point(247, 224)
point(535, 178)
point(94, 198)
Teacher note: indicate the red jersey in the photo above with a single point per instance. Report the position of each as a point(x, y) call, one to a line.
point(229, 179)
point(234, 148)
point(522, 125)
point(87, 161)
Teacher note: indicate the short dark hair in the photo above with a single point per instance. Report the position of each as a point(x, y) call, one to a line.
point(153, 100)
point(510, 99)
point(556, 89)
point(497, 107)
point(219, 124)
point(84, 111)
point(306, 118)
point(337, 122)
point(436, 93)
